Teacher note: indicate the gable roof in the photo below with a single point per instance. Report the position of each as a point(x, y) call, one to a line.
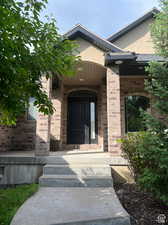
point(131, 26)
point(80, 31)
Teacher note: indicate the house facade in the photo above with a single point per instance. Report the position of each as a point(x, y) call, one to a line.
point(90, 106)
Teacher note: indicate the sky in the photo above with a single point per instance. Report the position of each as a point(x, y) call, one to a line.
point(103, 17)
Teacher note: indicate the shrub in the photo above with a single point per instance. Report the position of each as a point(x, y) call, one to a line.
point(147, 153)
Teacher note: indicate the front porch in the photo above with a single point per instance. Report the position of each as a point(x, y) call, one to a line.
point(80, 119)
point(90, 110)
point(81, 116)
point(89, 116)
point(90, 107)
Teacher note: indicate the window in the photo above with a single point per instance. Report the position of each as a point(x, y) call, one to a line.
point(32, 110)
point(92, 120)
point(133, 119)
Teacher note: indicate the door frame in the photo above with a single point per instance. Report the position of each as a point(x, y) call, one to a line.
point(85, 96)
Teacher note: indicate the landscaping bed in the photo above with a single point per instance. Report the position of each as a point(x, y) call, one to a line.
point(12, 198)
point(142, 207)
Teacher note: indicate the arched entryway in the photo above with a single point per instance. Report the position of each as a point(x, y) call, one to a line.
point(82, 117)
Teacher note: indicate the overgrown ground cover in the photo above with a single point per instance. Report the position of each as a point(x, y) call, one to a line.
point(12, 198)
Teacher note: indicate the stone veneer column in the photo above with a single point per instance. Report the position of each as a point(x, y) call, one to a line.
point(113, 110)
point(42, 147)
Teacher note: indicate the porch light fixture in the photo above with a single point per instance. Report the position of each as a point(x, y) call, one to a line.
point(118, 62)
point(79, 69)
point(81, 79)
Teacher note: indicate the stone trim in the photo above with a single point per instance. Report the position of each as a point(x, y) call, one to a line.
point(21, 160)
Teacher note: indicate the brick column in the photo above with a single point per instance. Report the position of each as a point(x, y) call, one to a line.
point(43, 127)
point(56, 119)
point(113, 110)
point(104, 116)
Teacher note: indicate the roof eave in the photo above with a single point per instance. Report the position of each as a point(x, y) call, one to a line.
point(111, 58)
point(142, 59)
point(97, 41)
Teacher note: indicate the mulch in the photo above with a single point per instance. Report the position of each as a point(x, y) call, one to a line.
point(142, 207)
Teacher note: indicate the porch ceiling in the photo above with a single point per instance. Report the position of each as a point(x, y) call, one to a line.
point(87, 73)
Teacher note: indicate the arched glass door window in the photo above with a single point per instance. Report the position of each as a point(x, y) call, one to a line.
point(133, 118)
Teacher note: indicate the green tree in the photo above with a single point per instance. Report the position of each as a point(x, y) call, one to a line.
point(29, 49)
point(147, 152)
point(157, 84)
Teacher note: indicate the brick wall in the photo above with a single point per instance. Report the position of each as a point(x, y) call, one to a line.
point(20, 137)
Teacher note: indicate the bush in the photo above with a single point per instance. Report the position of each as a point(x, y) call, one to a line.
point(147, 153)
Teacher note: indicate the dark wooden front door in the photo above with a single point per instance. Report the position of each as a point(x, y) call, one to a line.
point(79, 120)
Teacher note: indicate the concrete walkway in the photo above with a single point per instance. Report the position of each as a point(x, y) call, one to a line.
point(75, 206)
point(76, 189)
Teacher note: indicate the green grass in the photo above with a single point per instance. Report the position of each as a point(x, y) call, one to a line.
point(12, 198)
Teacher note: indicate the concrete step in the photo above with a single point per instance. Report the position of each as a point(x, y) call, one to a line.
point(92, 160)
point(75, 181)
point(77, 169)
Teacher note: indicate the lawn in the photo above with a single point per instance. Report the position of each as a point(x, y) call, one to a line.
point(12, 198)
